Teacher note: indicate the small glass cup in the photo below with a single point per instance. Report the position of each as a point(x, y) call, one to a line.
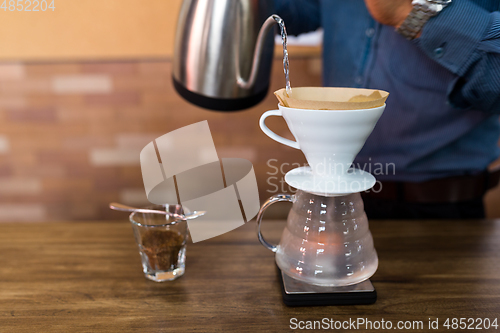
point(162, 242)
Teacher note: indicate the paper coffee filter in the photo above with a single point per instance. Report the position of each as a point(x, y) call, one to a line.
point(330, 98)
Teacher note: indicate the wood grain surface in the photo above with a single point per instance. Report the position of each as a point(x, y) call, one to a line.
point(87, 277)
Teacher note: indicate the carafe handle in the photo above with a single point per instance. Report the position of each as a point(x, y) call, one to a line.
point(269, 202)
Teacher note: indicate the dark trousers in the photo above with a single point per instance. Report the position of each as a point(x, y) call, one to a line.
point(392, 209)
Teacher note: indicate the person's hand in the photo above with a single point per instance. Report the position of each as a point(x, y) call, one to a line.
point(389, 12)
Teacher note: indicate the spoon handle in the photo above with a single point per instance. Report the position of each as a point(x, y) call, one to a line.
point(125, 208)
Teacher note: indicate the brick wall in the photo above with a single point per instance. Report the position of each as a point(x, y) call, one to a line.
point(70, 134)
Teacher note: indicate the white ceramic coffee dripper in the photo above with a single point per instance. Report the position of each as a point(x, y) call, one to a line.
point(330, 140)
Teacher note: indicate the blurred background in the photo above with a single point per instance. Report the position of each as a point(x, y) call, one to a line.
point(84, 87)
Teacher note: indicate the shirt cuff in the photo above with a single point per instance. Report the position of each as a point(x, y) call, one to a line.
point(491, 42)
point(454, 35)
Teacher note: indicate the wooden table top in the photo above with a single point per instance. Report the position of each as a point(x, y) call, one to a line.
point(87, 277)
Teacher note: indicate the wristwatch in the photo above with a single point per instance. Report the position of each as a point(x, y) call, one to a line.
point(422, 11)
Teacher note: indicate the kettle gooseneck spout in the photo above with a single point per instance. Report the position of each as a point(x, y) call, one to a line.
point(242, 83)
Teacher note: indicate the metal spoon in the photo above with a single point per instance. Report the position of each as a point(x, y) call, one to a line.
point(125, 208)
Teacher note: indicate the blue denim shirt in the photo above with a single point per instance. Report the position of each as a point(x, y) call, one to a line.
point(441, 117)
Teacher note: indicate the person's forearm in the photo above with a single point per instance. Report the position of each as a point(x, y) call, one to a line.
point(479, 86)
point(455, 38)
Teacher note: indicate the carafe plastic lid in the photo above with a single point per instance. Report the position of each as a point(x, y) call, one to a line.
point(353, 181)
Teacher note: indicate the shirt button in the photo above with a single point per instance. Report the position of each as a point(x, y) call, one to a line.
point(438, 52)
point(370, 32)
point(358, 80)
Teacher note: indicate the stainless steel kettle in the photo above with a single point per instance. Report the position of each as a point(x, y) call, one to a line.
point(223, 52)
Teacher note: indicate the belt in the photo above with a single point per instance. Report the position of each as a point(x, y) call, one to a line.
point(443, 190)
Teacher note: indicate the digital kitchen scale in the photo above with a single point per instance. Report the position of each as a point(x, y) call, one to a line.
point(298, 293)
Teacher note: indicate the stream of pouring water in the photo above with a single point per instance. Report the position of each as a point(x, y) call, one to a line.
point(286, 70)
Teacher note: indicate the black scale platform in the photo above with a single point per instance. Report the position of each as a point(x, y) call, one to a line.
point(297, 293)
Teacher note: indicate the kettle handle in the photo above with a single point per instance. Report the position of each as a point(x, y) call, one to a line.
point(257, 55)
point(271, 134)
point(269, 202)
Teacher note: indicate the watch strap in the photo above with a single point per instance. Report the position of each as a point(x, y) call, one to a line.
point(415, 21)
